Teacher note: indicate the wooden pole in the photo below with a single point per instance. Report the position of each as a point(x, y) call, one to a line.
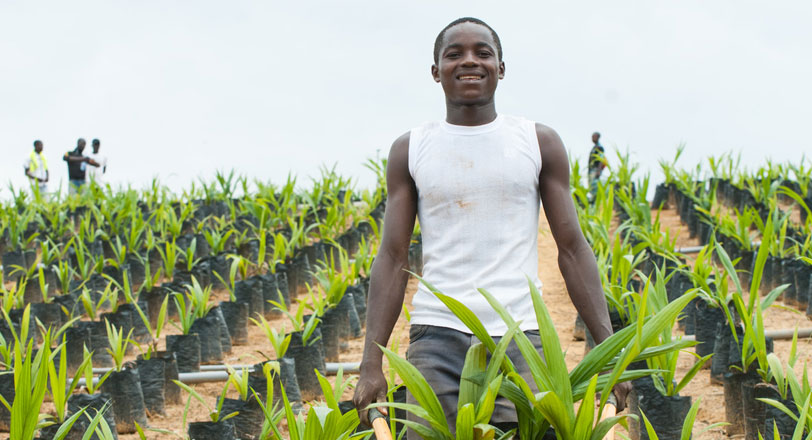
point(379, 425)
point(609, 410)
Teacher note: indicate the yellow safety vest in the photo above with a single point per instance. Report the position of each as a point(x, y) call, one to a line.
point(34, 164)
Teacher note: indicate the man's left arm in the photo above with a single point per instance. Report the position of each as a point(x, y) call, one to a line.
point(575, 258)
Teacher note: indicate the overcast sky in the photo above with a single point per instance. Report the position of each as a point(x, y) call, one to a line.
point(179, 89)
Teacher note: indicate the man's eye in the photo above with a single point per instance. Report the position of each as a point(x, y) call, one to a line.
point(452, 55)
point(484, 54)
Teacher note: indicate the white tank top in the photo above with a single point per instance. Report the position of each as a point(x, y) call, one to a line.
point(478, 207)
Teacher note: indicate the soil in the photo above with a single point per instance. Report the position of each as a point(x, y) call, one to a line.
point(561, 310)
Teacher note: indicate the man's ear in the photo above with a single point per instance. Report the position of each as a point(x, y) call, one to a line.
point(501, 70)
point(435, 73)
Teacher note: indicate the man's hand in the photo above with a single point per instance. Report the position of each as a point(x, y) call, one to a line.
point(620, 391)
point(371, 388)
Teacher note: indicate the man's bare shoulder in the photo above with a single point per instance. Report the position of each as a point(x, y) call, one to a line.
point(402, 141)
point(550, 144)
point(547, 136)
point(399, 153)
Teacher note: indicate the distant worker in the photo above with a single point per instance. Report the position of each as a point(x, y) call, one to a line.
point(77, 163)
point(36, 168)
point(597, 162)
point(96, 173)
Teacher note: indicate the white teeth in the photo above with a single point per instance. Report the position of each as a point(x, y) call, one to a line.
point(470, 77)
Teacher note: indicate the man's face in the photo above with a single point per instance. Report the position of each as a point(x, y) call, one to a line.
point(595, 138)
point(96, 148)
point(38, 148)
point(81, 145)
point(468, 67)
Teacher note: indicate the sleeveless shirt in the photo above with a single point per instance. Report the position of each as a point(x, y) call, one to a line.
point(478, 208)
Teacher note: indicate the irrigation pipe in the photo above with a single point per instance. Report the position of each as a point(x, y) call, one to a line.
point(331, 368)
point(697, 249)
point(785, 333)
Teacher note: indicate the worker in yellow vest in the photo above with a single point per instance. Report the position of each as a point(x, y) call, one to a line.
point(36, 168)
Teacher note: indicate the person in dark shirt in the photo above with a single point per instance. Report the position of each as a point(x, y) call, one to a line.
point(597, 162)
point(77, 163)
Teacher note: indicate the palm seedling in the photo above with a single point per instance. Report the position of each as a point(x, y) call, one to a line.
point(64, 274)
point(189, 256)
point(307, 328)
point(753, 343)
point(199, 297)
point(270, 410)
point(155, 333)
point(31, 383)
point(239, 380)
point(231, 284)
point(801, 395)
point(169, 256)
point(625, 259)
point(333, 280)
point(320, 421)
point(60, 388)
point(216, 238)
point(279, 339)
point(666, 363)
point(186, 314)
point(93, 308)
point(215, 413)
point(559, 390)
point(687, 425)
point(117, 344)
point(479, 387)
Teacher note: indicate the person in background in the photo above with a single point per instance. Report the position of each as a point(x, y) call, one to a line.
point(77, 163)
point(36, 168)
point(597, 162)
point(96, 173)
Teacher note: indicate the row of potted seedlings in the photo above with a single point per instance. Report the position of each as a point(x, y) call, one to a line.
point(141, 316)
point(742, 360)
point(649, 250)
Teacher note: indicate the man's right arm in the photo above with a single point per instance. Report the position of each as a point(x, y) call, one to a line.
point(388, 279)
point(28, 172)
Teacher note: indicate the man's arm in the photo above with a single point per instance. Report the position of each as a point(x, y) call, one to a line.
point(575, 258)
point(68, 158)
point(388, 279)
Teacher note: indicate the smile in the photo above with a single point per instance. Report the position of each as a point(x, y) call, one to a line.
point(469, 77)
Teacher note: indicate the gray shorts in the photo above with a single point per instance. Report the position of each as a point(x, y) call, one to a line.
point(439, 354)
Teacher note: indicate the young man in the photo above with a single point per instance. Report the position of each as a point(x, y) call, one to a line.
point(77, 164)
point(597, 162)
point(96, 173)
point(475, 181)
point(36, 168)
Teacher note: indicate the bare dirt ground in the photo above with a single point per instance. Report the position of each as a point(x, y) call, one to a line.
point(563, 314)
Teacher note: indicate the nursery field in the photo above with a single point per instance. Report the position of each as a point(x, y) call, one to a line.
point(563, 314)
point(224, 312)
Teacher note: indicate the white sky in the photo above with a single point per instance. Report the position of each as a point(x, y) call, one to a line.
point(179, 89)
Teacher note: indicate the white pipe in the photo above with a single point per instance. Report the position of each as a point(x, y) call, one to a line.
point(785, 333)
point(331, 368)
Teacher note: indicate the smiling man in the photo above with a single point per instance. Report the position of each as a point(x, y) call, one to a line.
point(475, 181)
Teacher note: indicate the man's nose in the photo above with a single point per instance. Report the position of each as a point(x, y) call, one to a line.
point(470, 59)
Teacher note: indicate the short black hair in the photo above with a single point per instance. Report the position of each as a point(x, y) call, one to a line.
point(96, 142)
point(439, 41)
point(37, 142)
